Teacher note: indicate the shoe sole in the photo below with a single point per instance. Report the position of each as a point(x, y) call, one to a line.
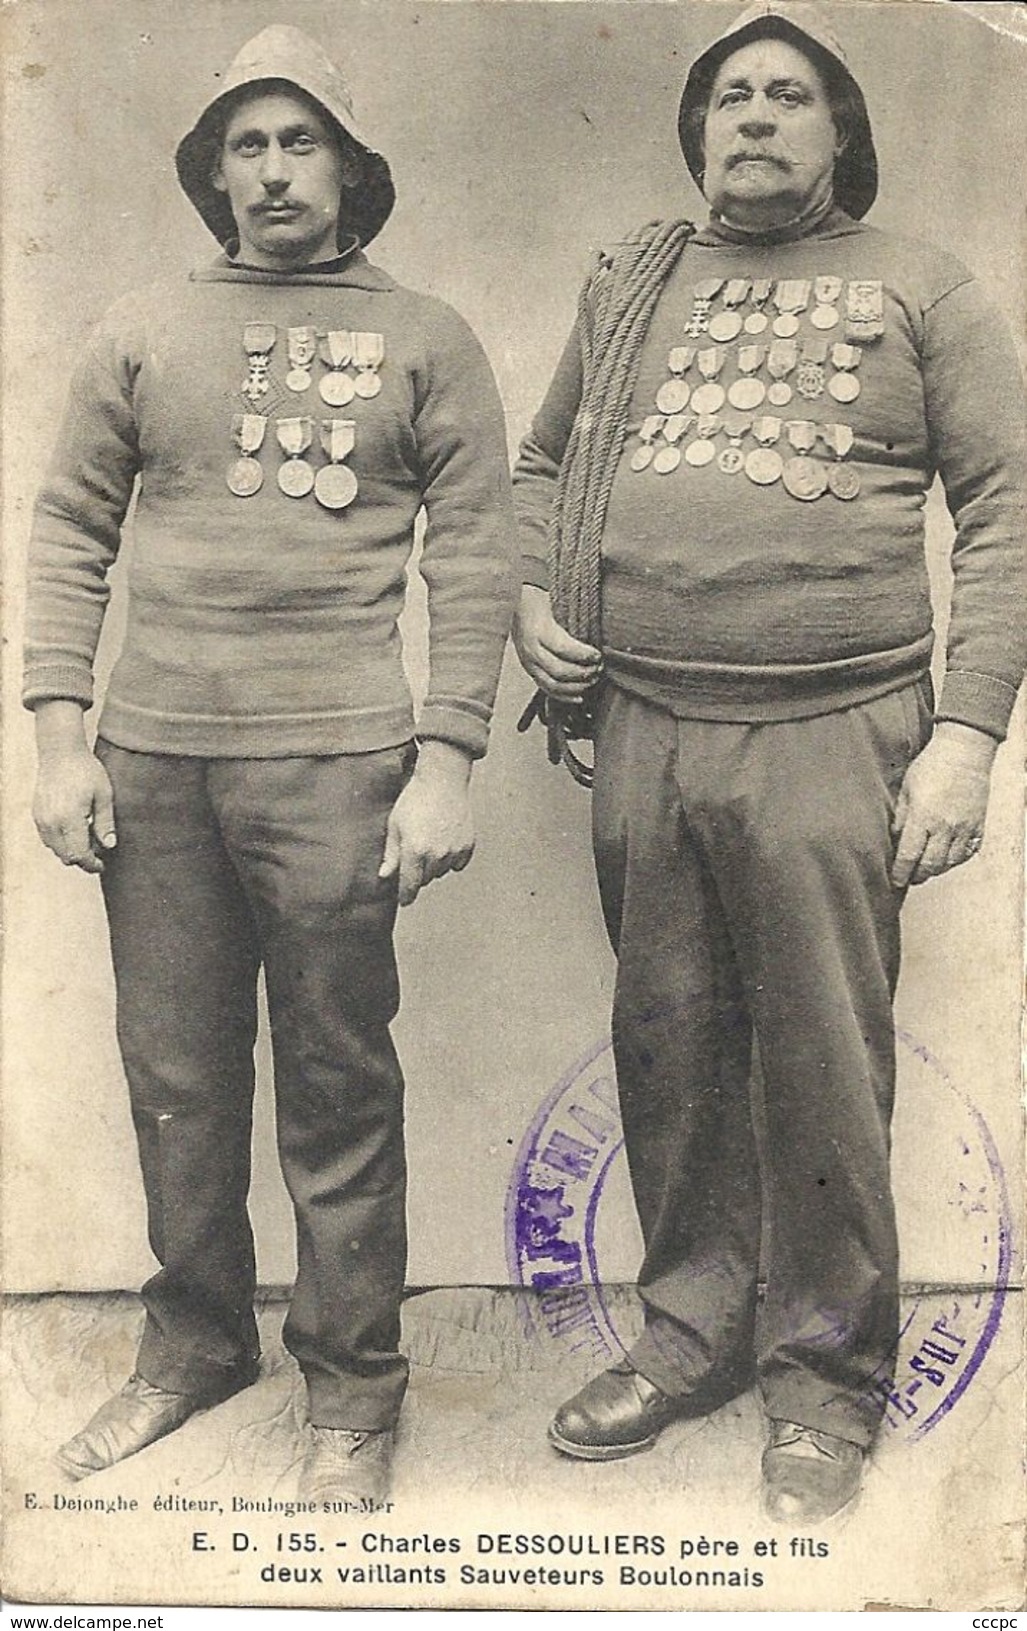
point(599, 1452)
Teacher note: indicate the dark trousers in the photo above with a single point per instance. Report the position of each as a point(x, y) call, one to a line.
point(224, 866)
point(744, 875)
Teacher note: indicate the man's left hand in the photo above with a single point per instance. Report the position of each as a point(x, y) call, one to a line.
point(431, 826)
point(939, 817)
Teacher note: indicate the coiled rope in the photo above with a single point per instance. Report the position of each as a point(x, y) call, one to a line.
point(614, 310)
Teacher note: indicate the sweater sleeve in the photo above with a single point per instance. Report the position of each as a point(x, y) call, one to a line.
point(77, 522)
point(538, 462)
point(469, 543)
point(973, 395)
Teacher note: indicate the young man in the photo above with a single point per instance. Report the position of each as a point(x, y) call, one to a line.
point(257, 797)
point(739, 440)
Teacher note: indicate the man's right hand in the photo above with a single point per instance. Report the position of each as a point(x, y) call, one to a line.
point(562, 666)
point(73, 807)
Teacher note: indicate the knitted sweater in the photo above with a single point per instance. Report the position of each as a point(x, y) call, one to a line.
point(262, 624)
point(796, 583)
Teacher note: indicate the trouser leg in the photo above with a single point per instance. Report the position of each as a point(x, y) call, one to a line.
point(682, 1044)
point(796, 819)
point(308, 837)
point(185, 968)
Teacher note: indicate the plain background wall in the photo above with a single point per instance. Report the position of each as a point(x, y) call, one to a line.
point(521, 136)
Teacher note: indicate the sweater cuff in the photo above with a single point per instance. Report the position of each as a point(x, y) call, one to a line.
point(57, 682)
point(465, 724)
point(534, 571)
point(979, 700)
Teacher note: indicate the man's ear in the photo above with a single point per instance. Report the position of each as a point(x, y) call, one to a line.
point(217, 176)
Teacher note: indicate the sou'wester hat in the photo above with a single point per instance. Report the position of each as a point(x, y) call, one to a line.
point(282, 52)
point(802, 25)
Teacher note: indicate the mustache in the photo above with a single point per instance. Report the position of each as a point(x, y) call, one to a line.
point(749, 154)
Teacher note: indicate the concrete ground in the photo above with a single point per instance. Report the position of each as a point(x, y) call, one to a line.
point(940, 1522)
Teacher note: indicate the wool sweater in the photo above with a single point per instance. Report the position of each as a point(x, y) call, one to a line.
point(726, 595)
point(262, 624)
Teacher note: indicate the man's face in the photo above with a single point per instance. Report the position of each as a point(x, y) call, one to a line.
point(282, 170)
point(769, 138)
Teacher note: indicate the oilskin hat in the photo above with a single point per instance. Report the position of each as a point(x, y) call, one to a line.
point(802, 25)
point(283, 53)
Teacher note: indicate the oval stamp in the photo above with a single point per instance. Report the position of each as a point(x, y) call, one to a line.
point(574, 1142)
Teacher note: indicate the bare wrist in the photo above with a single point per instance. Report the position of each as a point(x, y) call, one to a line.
point(971, 744)
point(443, 761)
point(60, 728)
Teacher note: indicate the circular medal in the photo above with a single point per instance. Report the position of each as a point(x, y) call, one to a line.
point(708, 398)
point(843, 481)
point(667, 459)
point(672, 396)
point(805, 478)
point(700, 452)
point(335, 486)
point(298, 379)
point(731, 461)
point(727, 325)
point(336, 389)
point(746, 393)
point(823, 317)
point(245, 477)
point(786, 325)
point(763, 465)
point(756, 322)
point(780, 393)
point(367, 384)
point(642, 457)
point(843, 387)
point(295, 478)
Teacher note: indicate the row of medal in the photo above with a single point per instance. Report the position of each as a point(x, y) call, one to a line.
point(339, 350)
point(794, 369)
point(334, 485)
point(801, 475)
point(752, 305)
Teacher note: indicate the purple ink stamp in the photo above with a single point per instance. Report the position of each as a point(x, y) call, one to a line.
point(575, 1140)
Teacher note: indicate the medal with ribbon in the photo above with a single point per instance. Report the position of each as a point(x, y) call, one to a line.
point(302, 348)
point(790, 297)
point(707, 398)
point(650, 428)
point(764, 464)
point(668, 457)
point(295, 476)
point(843, 385)
point(748, 391)
point(825, 292)
point(727, 324)
point(809, 378)
point(673, 394)
point(336, 388)
point(757, 320)
point(245, 476)
point(842, 479)
point(258, 343)
point(731, 459)
point(368, 355)
point(802, 476)
point(703, 296)
point(864, 310)
point(336, 486)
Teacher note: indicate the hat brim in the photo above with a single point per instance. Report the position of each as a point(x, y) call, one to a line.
point(855, 171)
point(366, 208)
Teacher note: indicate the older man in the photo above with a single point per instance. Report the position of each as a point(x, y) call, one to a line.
point(253, 799)
point(730, 466)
